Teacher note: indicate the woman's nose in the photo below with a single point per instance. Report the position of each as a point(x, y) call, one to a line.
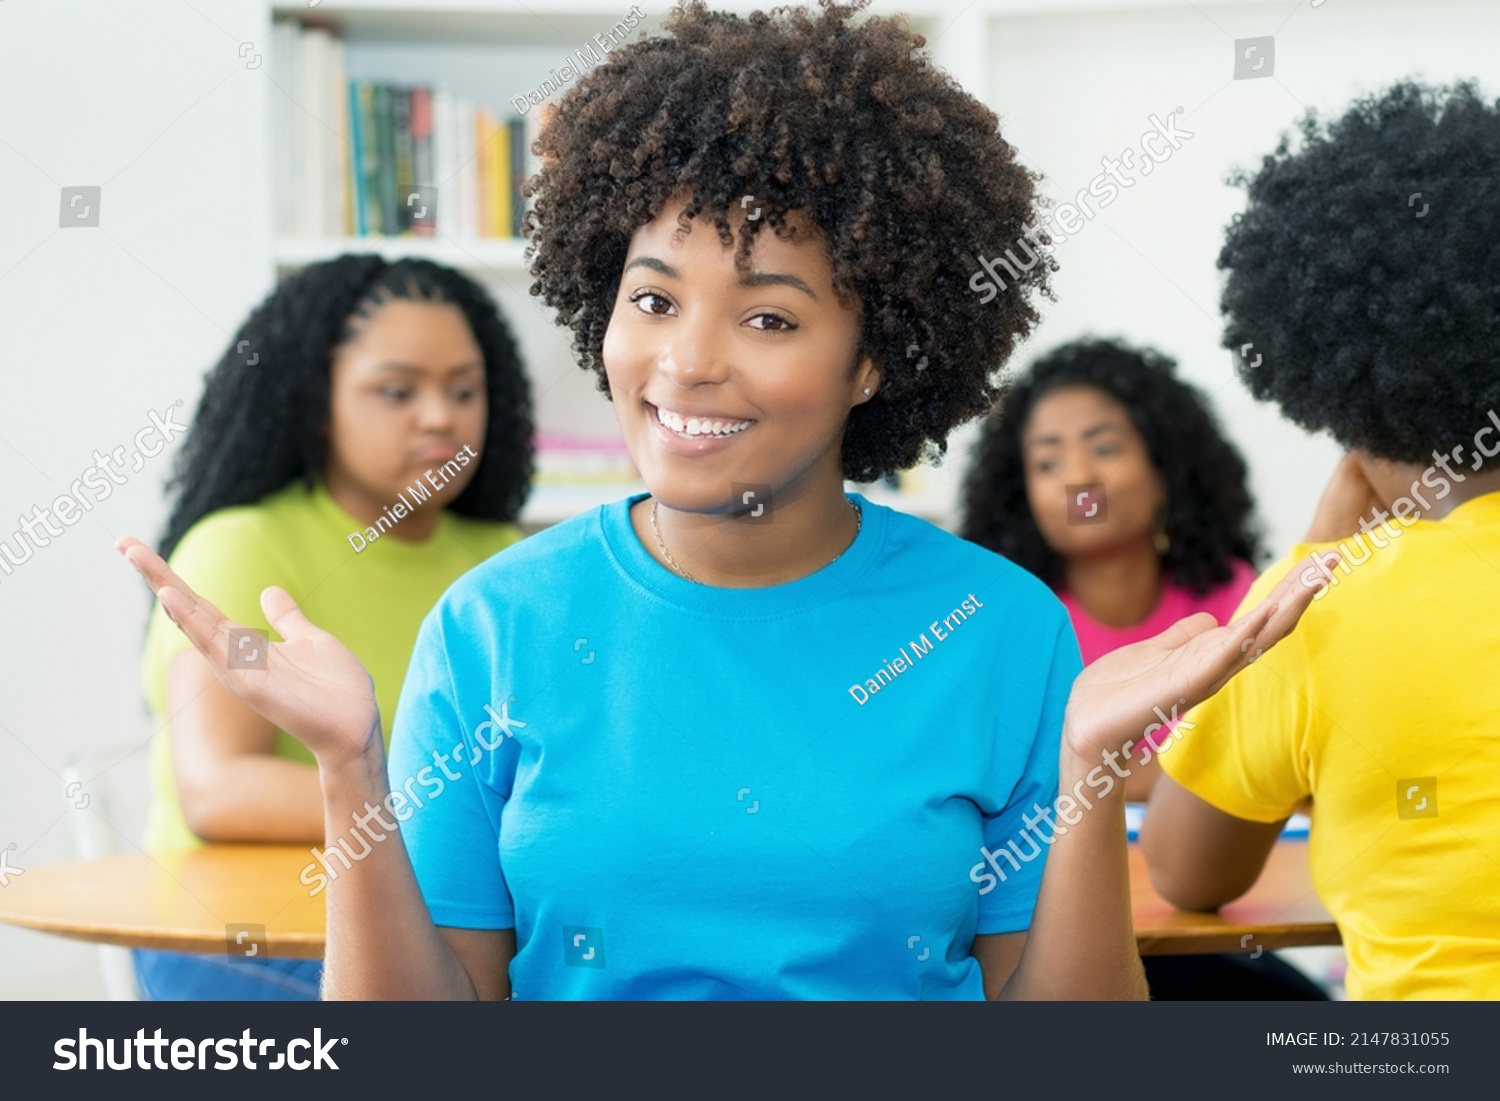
point(1078, 468)
point(696, 353)
point(435, 413)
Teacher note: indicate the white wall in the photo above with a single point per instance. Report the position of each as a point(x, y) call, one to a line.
point(152, 101)
point(1072, 88)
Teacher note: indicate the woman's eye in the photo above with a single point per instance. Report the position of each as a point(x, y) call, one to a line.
point(467, 395)
point(1107, 450)
point(642, 296)
point(782, 324)
point(1046, 466)
point(393, 393)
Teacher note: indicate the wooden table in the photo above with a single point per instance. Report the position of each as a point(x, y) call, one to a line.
point(1281, 911)
point(185, 901)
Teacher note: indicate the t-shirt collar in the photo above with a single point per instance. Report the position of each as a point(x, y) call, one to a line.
point(838, 578)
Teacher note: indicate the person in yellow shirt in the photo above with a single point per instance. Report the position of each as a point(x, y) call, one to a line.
point(364, 441)
point(1383, 706)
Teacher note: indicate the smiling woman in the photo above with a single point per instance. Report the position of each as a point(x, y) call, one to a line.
point(695, 809)
point(354, 383)
point(686, 320)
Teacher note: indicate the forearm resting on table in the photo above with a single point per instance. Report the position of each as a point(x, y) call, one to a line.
point(252, 797)
point(381, 941)
point(230, 783)
point(1081, 944)
point(1201, 858)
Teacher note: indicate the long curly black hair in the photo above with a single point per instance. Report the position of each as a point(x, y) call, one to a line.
point(261, 422)
point(1210, 513)
point(1365, 272)
point(905, 176)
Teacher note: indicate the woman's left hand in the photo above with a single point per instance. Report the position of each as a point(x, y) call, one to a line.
point(1118, 697)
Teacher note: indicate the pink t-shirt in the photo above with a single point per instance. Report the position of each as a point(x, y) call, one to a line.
point(1096, 639)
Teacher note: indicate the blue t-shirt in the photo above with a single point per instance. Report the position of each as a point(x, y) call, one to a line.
point(672, 790)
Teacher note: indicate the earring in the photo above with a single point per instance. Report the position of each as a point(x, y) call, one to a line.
point(1160, 539)
point(867, 391)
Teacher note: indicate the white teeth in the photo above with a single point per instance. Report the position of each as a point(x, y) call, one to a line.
point(700, 427)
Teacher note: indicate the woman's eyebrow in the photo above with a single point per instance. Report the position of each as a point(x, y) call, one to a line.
point(411, 369)
point(776, 279)
point(655, 265)
point(1044, 441)
point(1041, 441)
point(753, 279)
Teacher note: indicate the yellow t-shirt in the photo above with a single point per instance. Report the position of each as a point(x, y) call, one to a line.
point(1384, 705)
point(373, 601)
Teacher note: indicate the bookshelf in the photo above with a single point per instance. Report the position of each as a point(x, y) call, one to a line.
point(486, 52)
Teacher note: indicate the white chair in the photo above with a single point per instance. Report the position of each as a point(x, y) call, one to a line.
point(106, 789)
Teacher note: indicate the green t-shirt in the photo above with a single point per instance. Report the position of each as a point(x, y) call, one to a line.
point(373, 601)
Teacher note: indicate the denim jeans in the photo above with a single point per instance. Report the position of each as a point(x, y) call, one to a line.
point(194, 977)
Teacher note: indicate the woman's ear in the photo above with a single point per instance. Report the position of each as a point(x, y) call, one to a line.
point(866, 380)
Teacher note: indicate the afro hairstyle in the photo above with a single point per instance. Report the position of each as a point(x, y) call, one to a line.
point(1364, 273)
point(1210, 513)
point(904, 175)
point(263, 419)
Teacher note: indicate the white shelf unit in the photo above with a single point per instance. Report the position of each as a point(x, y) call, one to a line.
point(501, 254)
point(490, 51)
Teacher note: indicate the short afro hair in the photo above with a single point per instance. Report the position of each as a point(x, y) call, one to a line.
point(904, 175)
point(1364, 274)
point(1210, 513)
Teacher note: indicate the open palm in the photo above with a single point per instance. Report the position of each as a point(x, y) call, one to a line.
point(1116, 698)
point(311, 685)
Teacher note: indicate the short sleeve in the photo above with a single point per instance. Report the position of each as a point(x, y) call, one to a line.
point(441, 776)
point(1012, 848)
point(1244, 750)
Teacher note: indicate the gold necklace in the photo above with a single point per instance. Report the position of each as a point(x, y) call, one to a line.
point(859, 523)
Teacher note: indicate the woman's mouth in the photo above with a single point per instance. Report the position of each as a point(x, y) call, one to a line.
point(698, 426)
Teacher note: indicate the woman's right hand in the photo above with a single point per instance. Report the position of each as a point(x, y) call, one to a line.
point(311, 685)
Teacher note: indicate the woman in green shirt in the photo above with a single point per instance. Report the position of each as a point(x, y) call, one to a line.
point(364, 441)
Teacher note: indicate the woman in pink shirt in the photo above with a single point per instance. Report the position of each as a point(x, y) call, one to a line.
point(1106, 476)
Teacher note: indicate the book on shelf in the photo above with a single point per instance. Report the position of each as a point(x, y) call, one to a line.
point(563, 460)
point(356, 158)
